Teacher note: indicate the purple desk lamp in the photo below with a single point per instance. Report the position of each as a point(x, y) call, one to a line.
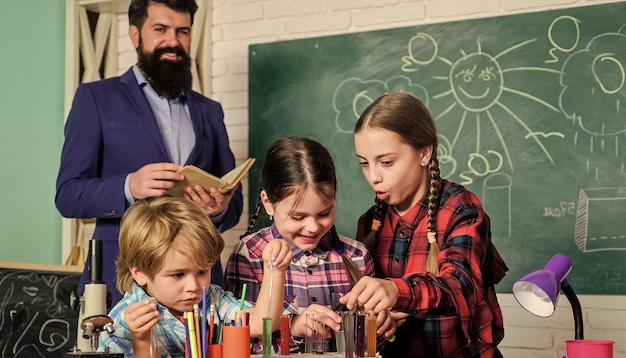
point(538, 292)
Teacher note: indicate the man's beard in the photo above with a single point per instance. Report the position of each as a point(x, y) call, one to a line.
point(168, 78)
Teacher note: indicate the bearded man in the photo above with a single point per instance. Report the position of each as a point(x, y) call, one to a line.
point(126, 137)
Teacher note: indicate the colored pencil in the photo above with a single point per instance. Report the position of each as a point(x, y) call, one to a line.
point(187, 347)
point(192, 335)
point(211, 323)
point(218, 331)
point(203, 331)
point(196, 317)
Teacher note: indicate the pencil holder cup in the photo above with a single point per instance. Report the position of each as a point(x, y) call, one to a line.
point(236, 341)
point(588, 348)
point(215, 350)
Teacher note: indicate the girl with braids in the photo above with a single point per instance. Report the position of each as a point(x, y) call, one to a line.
point(430, 239)
point(298, 185)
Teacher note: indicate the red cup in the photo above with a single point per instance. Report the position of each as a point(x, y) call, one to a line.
point(215, 350)
point(236, 341)
point(589, 348)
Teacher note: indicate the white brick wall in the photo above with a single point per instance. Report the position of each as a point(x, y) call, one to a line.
point(239, 23)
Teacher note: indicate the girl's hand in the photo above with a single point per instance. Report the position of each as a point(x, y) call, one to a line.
point(278, 253)
point(399, 317)
point(372, 294)
point(385, 324)
point(331, 319)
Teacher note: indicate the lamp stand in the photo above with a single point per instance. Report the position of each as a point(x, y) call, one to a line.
point(576, 308)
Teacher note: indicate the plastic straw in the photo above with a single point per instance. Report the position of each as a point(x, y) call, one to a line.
point(243, 296)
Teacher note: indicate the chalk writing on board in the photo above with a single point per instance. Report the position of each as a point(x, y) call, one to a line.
point(36, 318)
point(600, 277)
point(564, 208)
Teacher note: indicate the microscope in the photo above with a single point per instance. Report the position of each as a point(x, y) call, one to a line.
point(92, 306)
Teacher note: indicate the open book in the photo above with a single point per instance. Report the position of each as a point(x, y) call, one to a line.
point(196, 176)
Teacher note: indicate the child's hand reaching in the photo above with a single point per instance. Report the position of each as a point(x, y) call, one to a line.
point(278, 253)
point(276, 258)
point(299, 326)
point(372, 294)
point(385, 324)
point(140, 318)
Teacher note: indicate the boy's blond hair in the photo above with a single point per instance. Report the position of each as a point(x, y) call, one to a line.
point(151, 229)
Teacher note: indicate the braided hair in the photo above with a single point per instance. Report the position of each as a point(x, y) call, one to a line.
point(292, 164)
point(406, 115)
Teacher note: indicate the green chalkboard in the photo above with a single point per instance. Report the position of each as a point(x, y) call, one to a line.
point(531, 112)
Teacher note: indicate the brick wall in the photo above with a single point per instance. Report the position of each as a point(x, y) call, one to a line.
point(239, 23)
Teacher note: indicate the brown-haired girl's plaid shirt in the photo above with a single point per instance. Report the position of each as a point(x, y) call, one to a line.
point(454, 313)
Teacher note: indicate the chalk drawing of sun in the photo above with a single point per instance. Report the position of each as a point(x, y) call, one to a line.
point(475, 84)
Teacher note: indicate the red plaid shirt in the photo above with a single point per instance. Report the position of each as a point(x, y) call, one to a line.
point(454, 313)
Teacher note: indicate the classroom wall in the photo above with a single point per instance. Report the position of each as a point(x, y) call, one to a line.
point(31, 128)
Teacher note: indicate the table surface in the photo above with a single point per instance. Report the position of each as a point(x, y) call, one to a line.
point(308, 355)
point(305, 355)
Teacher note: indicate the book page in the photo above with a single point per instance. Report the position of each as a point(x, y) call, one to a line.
point(234, 176)
point(196, 176)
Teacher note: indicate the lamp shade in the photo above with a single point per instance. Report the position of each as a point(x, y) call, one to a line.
point(538, 292)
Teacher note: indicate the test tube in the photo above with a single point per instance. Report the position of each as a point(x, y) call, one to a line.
point(267, 337)
point(340, 337)
point(359, 345)
point(154, 353)
point(371, 335)
point(285, 334)
point(347, 318)
point(316, 342)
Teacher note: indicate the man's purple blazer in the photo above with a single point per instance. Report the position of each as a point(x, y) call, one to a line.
point(110, 132)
